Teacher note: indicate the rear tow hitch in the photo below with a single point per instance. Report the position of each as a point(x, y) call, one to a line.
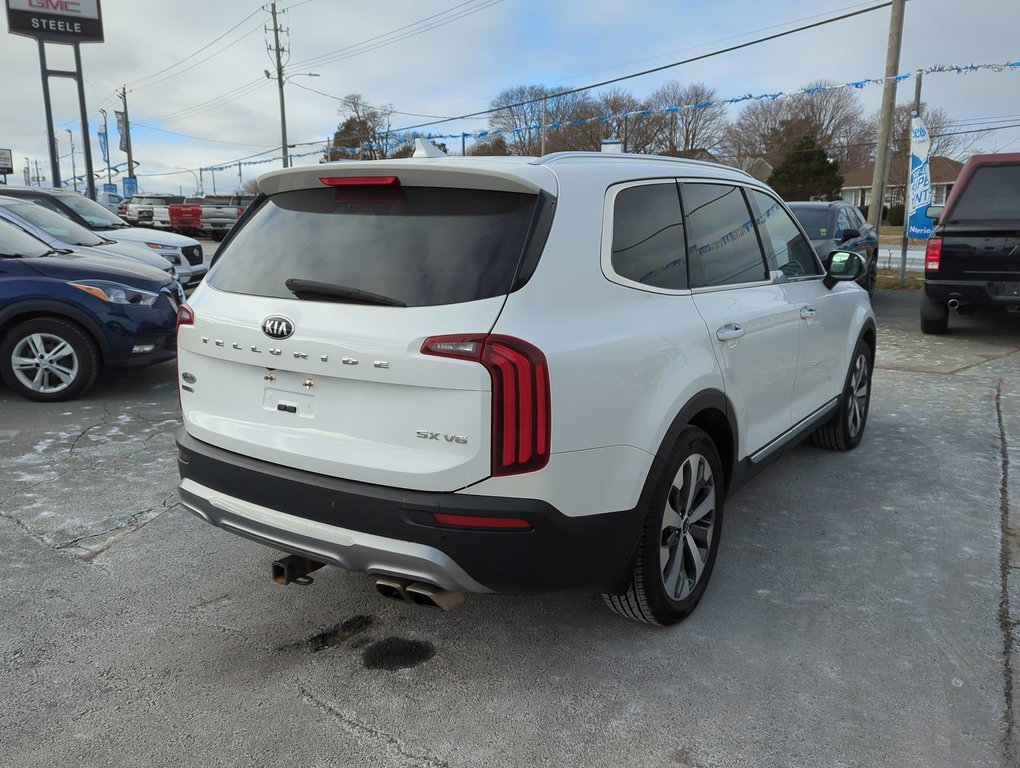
point(294, 569)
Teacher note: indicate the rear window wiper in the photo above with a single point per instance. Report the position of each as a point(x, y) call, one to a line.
point(313, 289)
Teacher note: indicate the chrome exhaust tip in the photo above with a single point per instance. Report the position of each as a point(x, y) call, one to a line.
point(434, 597)
point(395, 589)
point(954, 303)
point(418, 593)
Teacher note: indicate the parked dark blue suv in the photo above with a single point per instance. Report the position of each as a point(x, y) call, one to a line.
point(64, 315)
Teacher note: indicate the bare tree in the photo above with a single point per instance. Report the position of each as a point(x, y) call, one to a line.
point(691, 128)
point(939, 127)
point(364, 133)
point(831, 116)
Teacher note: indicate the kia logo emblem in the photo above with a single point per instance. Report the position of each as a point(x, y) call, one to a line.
point(277, 327)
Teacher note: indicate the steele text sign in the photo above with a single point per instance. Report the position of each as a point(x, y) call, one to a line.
point(56, 21)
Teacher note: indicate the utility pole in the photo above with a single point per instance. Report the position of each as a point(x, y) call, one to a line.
point(127, 133)
point(240, 181)
point(545, 113)
point(201, 183)
point(279, 84)
point(892, 65)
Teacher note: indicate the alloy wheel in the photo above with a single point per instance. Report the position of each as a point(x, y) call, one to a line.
point(45, 363)
point(857, 400)
point(688, 524)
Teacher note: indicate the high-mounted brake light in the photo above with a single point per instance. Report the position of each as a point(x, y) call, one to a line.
point(521, 417)
point(185, 316)
point(360, 181)
point(933, 255)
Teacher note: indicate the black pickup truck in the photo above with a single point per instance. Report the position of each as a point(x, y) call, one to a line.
point(973, 256)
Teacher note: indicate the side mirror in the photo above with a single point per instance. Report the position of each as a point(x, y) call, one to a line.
point(844, 266)
point(934, 212)
point(849, 234)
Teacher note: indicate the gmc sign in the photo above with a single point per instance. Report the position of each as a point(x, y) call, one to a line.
point(56, 21)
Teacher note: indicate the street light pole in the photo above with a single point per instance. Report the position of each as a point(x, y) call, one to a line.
point(74, 173)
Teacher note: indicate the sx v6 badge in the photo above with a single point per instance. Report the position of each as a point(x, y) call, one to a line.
point(426, 435)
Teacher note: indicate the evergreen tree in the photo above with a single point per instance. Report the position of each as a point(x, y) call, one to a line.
point(807, 172)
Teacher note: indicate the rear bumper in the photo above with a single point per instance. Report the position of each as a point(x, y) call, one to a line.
point(391, 531)
point(980, 292)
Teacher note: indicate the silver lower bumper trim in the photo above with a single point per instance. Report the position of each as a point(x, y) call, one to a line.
point(352, 550)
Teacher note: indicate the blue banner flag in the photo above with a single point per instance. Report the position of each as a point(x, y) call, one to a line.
point(103, 150)
point(919, 226)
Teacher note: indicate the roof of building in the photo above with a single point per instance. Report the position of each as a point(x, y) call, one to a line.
point(943, 171)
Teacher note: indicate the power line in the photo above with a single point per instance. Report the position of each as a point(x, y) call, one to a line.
point(690, 60)
point(368, 106)
point(198, 138)
point(401, 33)
point(208, 45)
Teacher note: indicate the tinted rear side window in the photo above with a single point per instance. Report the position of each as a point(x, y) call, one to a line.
point(993, 192)
point(722, 244)
point(421, 246)
point(648, 236)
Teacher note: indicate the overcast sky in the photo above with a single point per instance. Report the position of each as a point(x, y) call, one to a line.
point(216, 107)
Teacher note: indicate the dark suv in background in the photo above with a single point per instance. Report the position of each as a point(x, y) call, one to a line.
point(973, 256)
point(838, 226)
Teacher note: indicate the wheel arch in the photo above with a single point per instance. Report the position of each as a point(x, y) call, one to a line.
point(40, 308)
point(709, 410)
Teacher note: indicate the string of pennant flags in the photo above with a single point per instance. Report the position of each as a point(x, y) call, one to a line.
point(1009, 66)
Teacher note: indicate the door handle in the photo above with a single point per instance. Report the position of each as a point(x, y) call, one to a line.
point(807, 312)
point(730, 332)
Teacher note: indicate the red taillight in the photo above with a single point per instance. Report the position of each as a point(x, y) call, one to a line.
point(521, 418)
point(933, 255)
point(479, 521)
point(185, 316)
point(360, 181)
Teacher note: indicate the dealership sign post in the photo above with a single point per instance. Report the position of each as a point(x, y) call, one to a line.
point(63, 22)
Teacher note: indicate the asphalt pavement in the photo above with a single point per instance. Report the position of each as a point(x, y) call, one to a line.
point(864, 610)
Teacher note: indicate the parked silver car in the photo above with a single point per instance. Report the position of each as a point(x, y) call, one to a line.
point(62, 234)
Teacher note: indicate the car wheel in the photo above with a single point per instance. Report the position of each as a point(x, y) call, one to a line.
point(846, 428)
point(872, 275)
point(680, 539)
point(48, 359)
point(934, 316)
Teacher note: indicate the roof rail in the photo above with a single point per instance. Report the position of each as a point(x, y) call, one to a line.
point(556, 157)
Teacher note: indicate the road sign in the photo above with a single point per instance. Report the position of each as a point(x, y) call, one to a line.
point(130, 186)
point(110, 188)
point(6, 162)
point(56, 21)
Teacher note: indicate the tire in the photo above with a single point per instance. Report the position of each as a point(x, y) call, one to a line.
point(56, 359)
point(934, 316)
point(846, 428)
point(872, 275)
point(680, 539)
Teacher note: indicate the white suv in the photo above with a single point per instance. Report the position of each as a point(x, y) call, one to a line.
point(512, 374)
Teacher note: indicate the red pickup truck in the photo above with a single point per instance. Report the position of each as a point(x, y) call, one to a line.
point(186, 217)
point(210, 216)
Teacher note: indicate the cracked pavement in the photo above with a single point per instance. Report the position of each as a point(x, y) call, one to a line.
point(865, 609)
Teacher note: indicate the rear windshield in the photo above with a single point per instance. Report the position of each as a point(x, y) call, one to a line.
point(993, 192)
point(416, 245)
point(815, 222)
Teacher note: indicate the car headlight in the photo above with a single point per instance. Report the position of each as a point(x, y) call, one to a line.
point(158, 247)
point(116, 293)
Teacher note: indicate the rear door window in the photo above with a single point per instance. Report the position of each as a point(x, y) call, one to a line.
point(418, 246)
point(722, 245)
point(992, 193)
point(648, 236)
